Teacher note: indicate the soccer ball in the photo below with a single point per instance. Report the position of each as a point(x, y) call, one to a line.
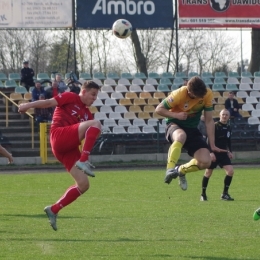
point(122, 28)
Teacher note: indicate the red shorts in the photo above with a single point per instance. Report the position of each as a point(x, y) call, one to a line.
point(65, 145)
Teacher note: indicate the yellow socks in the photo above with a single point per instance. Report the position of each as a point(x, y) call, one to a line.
point(174, 154)
point(191, 166)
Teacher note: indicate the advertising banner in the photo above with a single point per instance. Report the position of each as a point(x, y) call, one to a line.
point(219, 13)
point(101, 14)
point(35, 14)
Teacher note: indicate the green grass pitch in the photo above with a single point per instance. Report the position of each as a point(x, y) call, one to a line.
point(130, 214)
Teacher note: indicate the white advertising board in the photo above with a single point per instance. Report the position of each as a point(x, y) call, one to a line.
point(35, 14)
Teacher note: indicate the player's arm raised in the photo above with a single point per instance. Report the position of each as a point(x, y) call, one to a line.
point(37, 104)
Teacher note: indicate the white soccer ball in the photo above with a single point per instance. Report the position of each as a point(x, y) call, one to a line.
point(122, 28)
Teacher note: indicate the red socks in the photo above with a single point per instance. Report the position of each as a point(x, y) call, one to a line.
point(90, 139)
point(71, 194)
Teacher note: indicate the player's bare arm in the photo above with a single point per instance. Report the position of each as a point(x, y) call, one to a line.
point(210, 126)
point(161, 110)
point(37, 104)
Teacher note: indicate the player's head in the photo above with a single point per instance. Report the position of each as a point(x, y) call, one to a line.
point(26, 63)
point(88, 93)
point(196, 87)
point(224, 116)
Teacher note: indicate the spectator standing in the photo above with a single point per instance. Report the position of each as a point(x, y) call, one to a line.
point(42, 114)
point(223, 141)
point(37, 91)
point(61, 84)
point(231, 104)
point(72, 122)
point(27, 75)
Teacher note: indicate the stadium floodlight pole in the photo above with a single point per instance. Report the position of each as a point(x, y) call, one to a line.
point(241, 48)
point(74, 34)
point(176, 34)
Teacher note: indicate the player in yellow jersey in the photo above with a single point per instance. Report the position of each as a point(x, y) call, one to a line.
point(182, 109)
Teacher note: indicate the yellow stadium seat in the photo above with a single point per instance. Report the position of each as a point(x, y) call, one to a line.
point(145, 95)
point(139, 101)
point(149, 108)
point(135, 108)
point(131, 95)
point(125, 102)
point(143, 115)
point(153, 101)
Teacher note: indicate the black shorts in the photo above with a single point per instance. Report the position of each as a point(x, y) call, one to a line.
point(222, 159)
point(194, 140)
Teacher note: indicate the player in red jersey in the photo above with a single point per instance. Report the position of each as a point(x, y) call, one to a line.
point(72, 122)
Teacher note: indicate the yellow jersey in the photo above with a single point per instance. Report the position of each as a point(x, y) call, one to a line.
point(180, 101)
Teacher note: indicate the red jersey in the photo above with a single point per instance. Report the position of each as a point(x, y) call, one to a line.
point(70, 110)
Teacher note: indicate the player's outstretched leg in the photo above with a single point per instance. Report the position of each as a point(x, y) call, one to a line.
point(52, 217)
point(256, 214)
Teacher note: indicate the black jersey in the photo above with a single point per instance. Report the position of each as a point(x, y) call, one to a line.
point(223, 136)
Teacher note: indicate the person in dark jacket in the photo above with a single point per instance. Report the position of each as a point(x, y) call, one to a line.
point(231, 104)
point(37, 91)
point(27, 75)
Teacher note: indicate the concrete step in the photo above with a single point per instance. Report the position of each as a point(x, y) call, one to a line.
point(14, 122)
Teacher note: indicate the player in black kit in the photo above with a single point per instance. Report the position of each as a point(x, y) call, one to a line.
point(223, 141)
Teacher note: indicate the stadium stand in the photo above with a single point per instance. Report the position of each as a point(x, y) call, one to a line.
point(138, 81)
point(233, 81)
point(151, 81)
point(244, 87)
point(154, 75)
point(165, 81)
point(125, 102)
point(149, 88)
point(220, 74)
point(110, 82)
point(85, 76)
point(246, 74)
point(113, 75)
point(3, 76)
point(246, 80)
point(231, 87)
point(99, 75)
point(233, 74)
point(207, 74)
point(43, 76)
point(167, 75)
point(159, 95)
point(145, 95)
point(219, 81)
point(121, 88)
point(180, 75)
point(218, 87)
point(163, 88)
point(135, 88)
point(124, 82)
point(20, 89)
point(192, 74)
point(14, 76)
point(127, 75)
point(140, 75)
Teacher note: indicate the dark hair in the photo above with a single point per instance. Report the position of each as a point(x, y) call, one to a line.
point(90, 84)
point(197, 86)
